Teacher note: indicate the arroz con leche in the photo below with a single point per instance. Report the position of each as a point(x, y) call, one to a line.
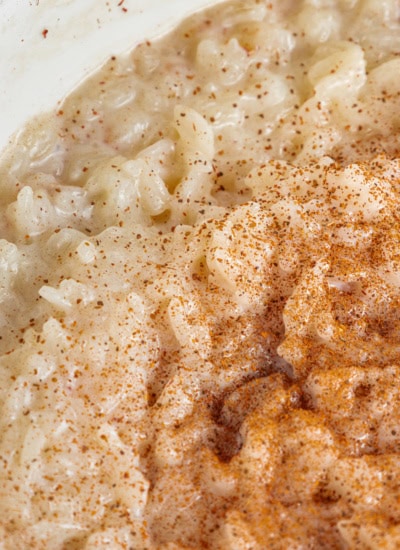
point(200, 292)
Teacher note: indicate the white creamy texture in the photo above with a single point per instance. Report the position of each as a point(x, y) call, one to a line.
point(200, 286)
point(51, 45)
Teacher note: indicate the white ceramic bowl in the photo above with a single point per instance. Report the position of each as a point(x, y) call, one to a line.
point(48, 46)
